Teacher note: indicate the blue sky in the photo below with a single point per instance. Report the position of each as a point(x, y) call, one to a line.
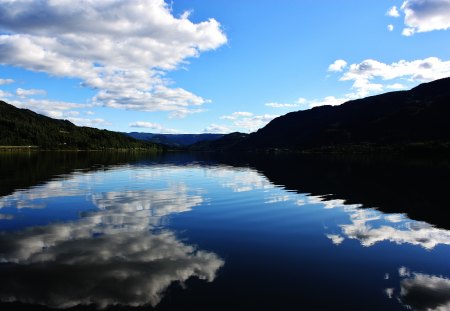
point(197, 66)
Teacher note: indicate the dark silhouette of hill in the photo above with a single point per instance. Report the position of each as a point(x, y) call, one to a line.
point(178, 140)
point(227, 142)
point(418, 118)
point(23, 127)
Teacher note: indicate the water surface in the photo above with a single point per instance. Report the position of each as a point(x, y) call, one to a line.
point(88, 231)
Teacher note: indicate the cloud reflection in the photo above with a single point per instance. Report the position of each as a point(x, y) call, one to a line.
point(6, 217)
point(422, 292)
point(64, 186)
point(239, 179)
point(118, 254)
point(371, 226)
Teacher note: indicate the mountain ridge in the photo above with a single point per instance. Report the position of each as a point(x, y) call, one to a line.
point(419, 116)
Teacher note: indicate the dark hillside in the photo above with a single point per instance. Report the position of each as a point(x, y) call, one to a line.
point(23, 127)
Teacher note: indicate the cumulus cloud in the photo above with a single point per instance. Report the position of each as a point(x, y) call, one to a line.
point(6, 81)
point(393, 12)
point(30, 92)
point(371, 77)
point(338, 65)
point(236, 115)
point(153, 126)
point(96, 122)
point(421, 70)
point(396, 86)
point(255, 122)
point(280, 105)
point(4, 94)
point(390, 27)
point(329, 101)
point(217, 129)
point(408, 32)
point(120, 48)
point(51, 108)
point(426, 15)
point(247, 121)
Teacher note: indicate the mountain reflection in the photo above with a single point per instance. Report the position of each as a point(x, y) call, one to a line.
point(422, 292)
point(116, 254)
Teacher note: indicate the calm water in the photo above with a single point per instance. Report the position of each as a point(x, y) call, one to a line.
point(134, 231)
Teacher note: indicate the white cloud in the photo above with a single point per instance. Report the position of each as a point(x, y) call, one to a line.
point(97, 122)
point(236, 115)
point(426, 15)
point(121, 48)
point(408, 32)
point(395, 86)
point(153, 126)
point(255, 122)
point(6, 81)
point(247, 121)
point(279, 105)
point(4, 94)
point(393, 12)
point(390, 27)
point(53, 109)
point(217, 129)
point(72, 113)
point(30, 92)
point(329, 100)
point(373, 77)
point(338, 65)
point(421, 70)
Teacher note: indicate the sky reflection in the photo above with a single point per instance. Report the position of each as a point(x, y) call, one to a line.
point(421, 292)
point(115, 254)
point(132, 231)
point(370, 226)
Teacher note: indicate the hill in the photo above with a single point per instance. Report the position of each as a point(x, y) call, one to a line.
point(178, 140)
point(23, 127)
point(418, 118)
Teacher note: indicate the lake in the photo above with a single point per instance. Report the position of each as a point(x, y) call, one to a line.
point(134, 231)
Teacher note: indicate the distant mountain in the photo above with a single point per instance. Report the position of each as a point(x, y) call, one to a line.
point(179, 140)
point(226, 142)
point(23, 127)
point(418, 118)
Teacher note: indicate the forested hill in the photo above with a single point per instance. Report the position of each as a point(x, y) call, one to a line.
point(23, 127)
point(418, 118)
point(420, 115)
